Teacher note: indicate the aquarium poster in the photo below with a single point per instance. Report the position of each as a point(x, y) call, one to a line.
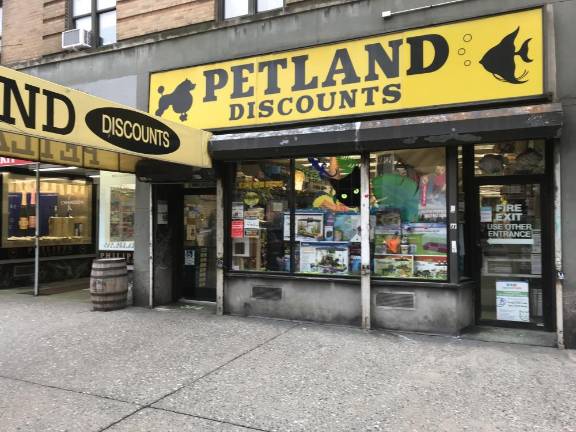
point(427, 238)
point(324, 258)
point(394, 266)
point(347, 227)
point(431, 267)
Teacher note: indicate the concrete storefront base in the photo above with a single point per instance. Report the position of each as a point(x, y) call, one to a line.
point(433, 309)
point(308, 299)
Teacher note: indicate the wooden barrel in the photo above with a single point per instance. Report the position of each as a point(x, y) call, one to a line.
point(109, 284)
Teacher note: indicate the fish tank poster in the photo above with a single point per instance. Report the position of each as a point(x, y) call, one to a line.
point(308, 226)
point(394, 266)
point(431, 267)
point(347, 227)
point(324, 258)
point(427, 238)
point(387, 220)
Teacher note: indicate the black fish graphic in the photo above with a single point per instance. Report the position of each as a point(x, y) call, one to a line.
point(499, 60)
point(348, 188)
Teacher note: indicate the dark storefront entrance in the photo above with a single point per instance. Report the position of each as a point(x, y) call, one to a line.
point(198, 280)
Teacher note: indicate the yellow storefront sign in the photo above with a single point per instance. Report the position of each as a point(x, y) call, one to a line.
point(493, 58)
point(46, 122)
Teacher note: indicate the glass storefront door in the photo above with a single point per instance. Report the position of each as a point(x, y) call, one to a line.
point(199, 251)
point(510, 255)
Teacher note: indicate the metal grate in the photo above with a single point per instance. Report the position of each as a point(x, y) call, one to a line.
point(23, 271)
point(396, 300)
point(266, 293)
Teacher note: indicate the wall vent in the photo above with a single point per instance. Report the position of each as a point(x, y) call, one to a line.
point(21, 271)
point(266, 293)
point(396, 300)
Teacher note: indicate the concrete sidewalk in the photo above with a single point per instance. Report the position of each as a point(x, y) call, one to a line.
point(65, 368)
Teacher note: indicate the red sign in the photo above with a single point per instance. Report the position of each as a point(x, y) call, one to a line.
point(4, 161)
point(237, 229)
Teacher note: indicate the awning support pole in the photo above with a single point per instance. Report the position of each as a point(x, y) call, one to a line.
point(365, 240)
point(219, 246)
point(37, 234)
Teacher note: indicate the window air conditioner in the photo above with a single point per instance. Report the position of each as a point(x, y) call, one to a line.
point(76, 39)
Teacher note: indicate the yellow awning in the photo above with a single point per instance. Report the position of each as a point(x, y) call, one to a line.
point(46, 122)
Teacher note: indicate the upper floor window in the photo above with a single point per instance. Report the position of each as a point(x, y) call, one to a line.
point(96, 16)
point(237, 8)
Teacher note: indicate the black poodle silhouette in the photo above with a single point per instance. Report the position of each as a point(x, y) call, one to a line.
point(180, 99)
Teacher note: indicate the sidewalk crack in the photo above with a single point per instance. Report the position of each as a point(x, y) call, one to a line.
point(186, 384)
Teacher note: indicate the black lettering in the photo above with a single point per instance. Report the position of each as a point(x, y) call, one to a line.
point(377, 56)
point(300, 75)
point(300, 104)
point(348, 98)
point(369, 92)
point(251, 109)
point(341, 64)
point(272, 67)
point(50, 127)
point(266, 108)
point(281, 110)
point(236, 112)
point(441, 52)
point(321, 101)
point(216, 79)
point(240, 79)
point(392, 93)
point(11, 91)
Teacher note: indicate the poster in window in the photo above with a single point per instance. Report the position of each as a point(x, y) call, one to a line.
point(394, 266)
point(309, 226)
point(324, 257)
point(431, 267)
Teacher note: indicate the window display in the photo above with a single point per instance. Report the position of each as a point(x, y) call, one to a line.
point(408, 231)
point(260, 200)
point(327, 216)
point(65, 211)
point(117, 207)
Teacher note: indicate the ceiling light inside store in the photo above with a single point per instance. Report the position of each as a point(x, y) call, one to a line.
point(56, 169)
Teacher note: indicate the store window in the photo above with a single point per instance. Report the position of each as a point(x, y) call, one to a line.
point(117, 208)
point(238, 8)
point(408, 224)
point(327, 216)
point(408, 229)
point(259, 206)
point(510, 158)
point(65, 211)
point(96, 16)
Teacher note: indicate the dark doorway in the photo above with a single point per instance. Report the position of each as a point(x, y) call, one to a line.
point(198, 250)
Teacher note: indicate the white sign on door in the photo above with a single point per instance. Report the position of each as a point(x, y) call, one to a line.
point(512, 301)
